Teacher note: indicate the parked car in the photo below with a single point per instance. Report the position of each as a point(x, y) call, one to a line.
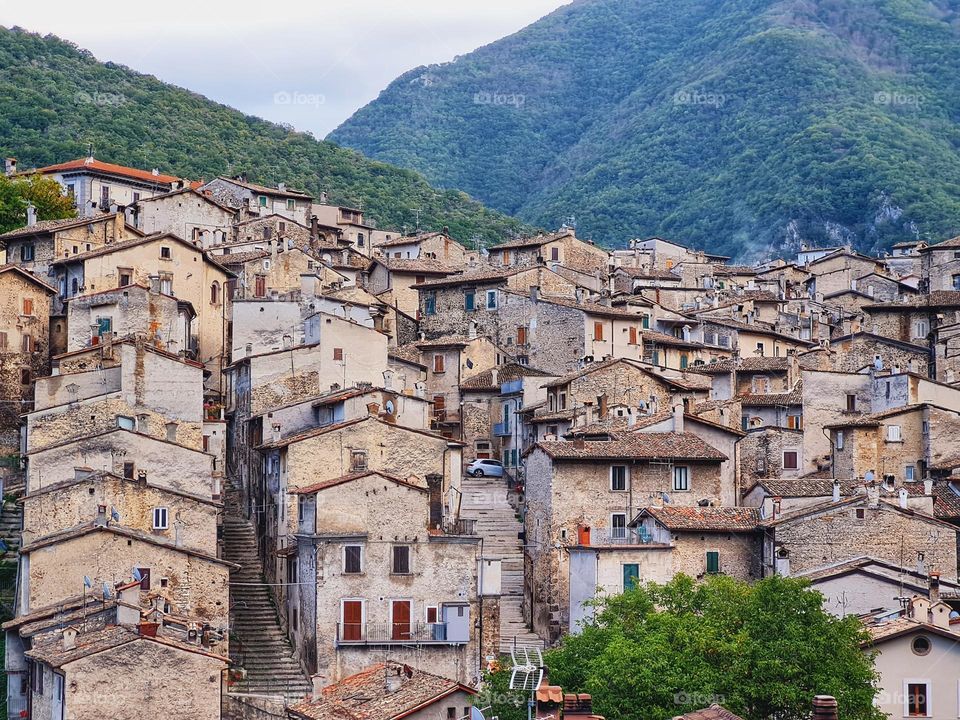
point(481, 467)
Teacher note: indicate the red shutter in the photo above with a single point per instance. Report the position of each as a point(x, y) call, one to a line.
point(352, 620)
point(401, 620)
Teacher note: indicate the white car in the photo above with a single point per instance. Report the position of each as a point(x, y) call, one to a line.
point(481, 467)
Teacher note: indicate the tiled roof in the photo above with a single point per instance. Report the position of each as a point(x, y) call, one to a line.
point(946, 499)
point(409, 353)
point(945, 245)
point(415, 265)
point(239, 258)
point(50, 650)
point(714, 712)
point(889, 629)
point(266, 190)
point(364, 696)
point(534, 241)
point(505, 373)
point(686, 381)
point(591, 308)
point(409, 239)
point(734, 270)
point(873, 419)
point(640, 446)
point(794, 397)
point(716, 519)
point(105, 167)
point(806, 486)
point(45, 226)
point(323, 430)
point(648, 274)
point(27, 275)
point(659, 338)
point(747, 364)
point(937, 298)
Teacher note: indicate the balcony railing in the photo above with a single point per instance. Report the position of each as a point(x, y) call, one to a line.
point(502, 429)
point(620, 536)
point(412, 633)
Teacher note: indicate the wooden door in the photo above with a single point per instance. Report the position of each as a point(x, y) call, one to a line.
point(401, 620)
point(352, 620)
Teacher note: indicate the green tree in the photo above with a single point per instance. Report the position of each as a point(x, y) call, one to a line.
point(43, 192)
point(504, 703)
point(762, 650)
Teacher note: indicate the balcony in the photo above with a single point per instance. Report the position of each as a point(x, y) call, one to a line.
point(618, 536)
point(418, 633)
point(502, 429)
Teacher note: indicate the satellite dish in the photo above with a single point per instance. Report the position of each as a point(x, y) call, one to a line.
point(476, 714)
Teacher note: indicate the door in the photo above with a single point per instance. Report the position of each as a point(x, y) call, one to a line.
point(400, 619)
point(631, 575)
point(57, 709)
point(352, 620)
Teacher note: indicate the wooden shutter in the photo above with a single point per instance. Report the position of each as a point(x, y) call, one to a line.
point(598, 331)
point(521, 336)
point(352, 620)
point(401, 620)
point(438, 363)
point(633, 336)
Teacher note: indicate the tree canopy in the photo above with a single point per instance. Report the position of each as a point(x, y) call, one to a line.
point(44, 193)
point(761, 650)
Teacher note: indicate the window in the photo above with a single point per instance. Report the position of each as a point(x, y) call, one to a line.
point(760, 349)
point(432, 614)
point(521, 335)
point(921, 645)
point(291, 204)
point(351, 619)
point(631, 575)
point(598, 331)
point(260, 286)
point(71, 190)
point(160, 518)
point(126, 277)
point(469, 300)
point(36, 678)
point(921, 328)
point(916, 702)
point(645, 322)
point(430, 304)
point(893, 433)
point(144, 578)
point(401, 560)
point(262, 200)
point(956, 282)
point(790, 459)
point(795, 422)
point(214, 292)
point(618, 526)
point(28, 306)
point(352, 559)
point(618, 478)
point(165, 252)
point(839, 439)
point(438, 363)
point(26, 343)
point(555, 254)
point(683, 362)
point(338, 354)
point(909, 473)
point(851, 402)
point(358, 460)
point(104, 197)
point(506, 257)
point(633, 336)
point(136, 197)
point(128, 468)
point(126, 422)
point(760, 384)
point(3, 340)
point(713, 562)
point(26, 252)
point(491, 299)
point(860, 514)
point(360, 240)
point(681, 478)
point(26, 377)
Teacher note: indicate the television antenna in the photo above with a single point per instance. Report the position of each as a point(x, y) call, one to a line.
point(526, 672)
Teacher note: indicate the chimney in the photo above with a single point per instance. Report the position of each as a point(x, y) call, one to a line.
point(282, 187)
point(69, 638)
point(276, 431)
point(873, 495)
point(314, 228)
point(494, 376)
point(836, 491)
point(934, 584)
point(927, 486)
point(824, 707)
point(678, 418)
point(10, 166)
point(435, 486)
point(472, 331)
point(902, 493)
point(534, 293)
point(31, 215)
point(154, 283)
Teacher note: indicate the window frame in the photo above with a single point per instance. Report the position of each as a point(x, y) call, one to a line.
point(360, 559)
point(491, 300)
point(625, 478)
point(796, 460)
point(686, 478)
point(618, 532)
point(928, 700)
point(394, 556)
point(161, 518)
point(894, 434)
point(715, 555)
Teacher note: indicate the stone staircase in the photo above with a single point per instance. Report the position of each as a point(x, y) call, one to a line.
point(11, 521)
point(258, 643)
point(485, 499)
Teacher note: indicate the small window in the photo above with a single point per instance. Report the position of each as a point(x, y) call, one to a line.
point(491, 299)
point(893, 433)
point(917, 701)
point(338, 354)
point(430, 304)
point(851, 402)
point(401, 560)
point(126, 422)
point(713, 562)
point(128, 469)
point(291, 204)
point(165, 252)
point(26, 377)
point(618, 526)
point(126, 278)
point(861, 514)
point(28, 306)
point(26, 343)
point(438, 363)
point(790, 460)
point(214, 292)
point(432, 614)
point(26, 253)
point(361, 240)
point(633, 336)
point(358, 460)
point(909, 473)
point(469, 300)
point(681, 478)
point(921, 645)
point(618, 478)
point(839, 439)
point(555, 254)
point(144, 578)
point(160, 518)
point(598, 331)
point(3, 340)
point(352, 559)
point(262, 200)
point(760, 349)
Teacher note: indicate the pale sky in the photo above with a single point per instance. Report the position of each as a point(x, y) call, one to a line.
point(309, 64)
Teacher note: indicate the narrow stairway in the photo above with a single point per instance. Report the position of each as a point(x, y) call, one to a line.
point(258, 643)
point(485, 499)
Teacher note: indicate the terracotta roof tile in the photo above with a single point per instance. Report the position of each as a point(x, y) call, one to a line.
point(747, 364)
point(415, 265)
point(505, 373)
point(109, 168)
point(716, 519)
point(714, 712)
point(639, 446)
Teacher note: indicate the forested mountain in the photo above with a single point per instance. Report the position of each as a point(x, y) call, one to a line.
point(56, 100)
point(738, 125)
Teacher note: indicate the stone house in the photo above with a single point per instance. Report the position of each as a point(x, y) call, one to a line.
point(36, 246)
point(425, 246)
point(770, 453)
point(854, 352)
point(163, 320)
point(559, 249)
point(838, 271)
point(940, 266)
point(332, 451)
point(579, 487)
point(24, 347)
point(257, 233)
point(185, 213)
point(836, 531)
point(389, 691)
point(166, 264)
point(251, 197)
point(354, 227)
point(96, 185)
point(275, 272)
point(914, 320)
point(629, 279)
point(399, 277)
point(749, 339)
point(376, 575)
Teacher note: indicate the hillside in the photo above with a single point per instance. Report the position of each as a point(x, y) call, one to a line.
point(738, 125)
point(57, 99)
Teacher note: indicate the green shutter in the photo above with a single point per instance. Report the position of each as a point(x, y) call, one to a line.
point(631, 575)
point(713, 561)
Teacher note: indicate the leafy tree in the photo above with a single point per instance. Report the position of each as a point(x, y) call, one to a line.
point(504, 703)
point(44, 193)
point(762, 650)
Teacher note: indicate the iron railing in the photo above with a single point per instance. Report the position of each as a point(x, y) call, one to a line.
point(410, 633)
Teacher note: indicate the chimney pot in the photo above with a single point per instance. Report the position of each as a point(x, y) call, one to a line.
point(31, 215)
point(678, 418)
point(836, 491)
point(824, 707)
